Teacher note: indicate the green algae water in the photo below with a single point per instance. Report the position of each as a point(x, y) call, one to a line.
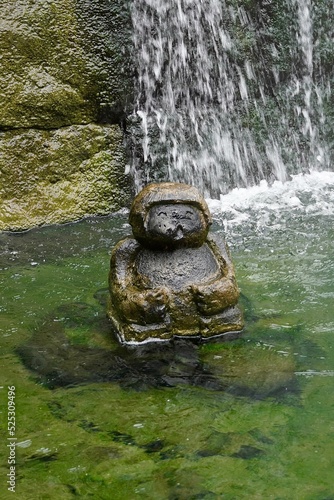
point(250, 418)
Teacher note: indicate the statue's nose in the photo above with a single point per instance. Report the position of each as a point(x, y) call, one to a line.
point(174, 230)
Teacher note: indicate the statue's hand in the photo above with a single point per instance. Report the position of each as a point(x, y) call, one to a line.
point(215, 297)
point(201, 298)
point(155, 304)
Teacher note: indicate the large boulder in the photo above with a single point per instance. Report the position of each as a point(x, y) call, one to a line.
point(65, 86)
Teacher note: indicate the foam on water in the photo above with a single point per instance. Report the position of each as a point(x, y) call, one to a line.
point(306, 194)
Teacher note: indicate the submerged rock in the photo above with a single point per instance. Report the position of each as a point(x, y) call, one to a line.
point(69, 348)
point(73, 346)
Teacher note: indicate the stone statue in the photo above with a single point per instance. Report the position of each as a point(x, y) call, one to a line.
point(172, 278)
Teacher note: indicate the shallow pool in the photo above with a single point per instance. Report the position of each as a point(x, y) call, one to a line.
point(246, 419)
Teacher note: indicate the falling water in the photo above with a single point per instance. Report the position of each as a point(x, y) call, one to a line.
point(219, 104)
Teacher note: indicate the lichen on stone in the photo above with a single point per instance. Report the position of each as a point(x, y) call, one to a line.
point(60, 175)
point(64, 85)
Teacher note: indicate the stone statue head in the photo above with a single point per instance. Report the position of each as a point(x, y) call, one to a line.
point(170, 215)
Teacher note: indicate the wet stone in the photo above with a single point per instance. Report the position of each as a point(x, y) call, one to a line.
point(62, 354)
point(172, 278)
point(154, 446)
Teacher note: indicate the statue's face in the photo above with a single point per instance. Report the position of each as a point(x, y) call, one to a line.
point(172, 224)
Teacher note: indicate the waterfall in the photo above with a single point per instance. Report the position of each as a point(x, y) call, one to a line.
point(226, 95)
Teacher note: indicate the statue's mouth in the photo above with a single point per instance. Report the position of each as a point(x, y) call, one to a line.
point(179, 233)
point(175, 233)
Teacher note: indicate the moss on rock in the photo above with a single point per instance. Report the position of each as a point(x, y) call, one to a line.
point(57, 62)
point(43, 79)
point(65, 68)
point(65, 174)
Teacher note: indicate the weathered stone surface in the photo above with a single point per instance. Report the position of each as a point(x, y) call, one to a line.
point(51, 176)
point(63, 64)
point(183, 284)
point(174, 201)
point(106, 34)
point(43, 66)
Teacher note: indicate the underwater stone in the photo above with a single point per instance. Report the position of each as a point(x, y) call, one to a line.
point(172, 278)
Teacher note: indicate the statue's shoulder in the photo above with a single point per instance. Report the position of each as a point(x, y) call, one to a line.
point(217, 243)
point(125, 248)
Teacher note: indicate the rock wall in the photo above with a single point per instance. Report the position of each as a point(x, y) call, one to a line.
point(65, 85)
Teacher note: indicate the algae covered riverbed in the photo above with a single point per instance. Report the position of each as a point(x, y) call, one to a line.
point(250, 418)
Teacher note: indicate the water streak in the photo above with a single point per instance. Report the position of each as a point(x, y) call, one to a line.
point(208, 112)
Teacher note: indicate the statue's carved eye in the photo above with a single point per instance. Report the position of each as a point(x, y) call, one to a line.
point(162, 213)
point(181, 216)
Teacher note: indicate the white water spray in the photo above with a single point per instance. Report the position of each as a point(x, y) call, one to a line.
point(199, 107)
